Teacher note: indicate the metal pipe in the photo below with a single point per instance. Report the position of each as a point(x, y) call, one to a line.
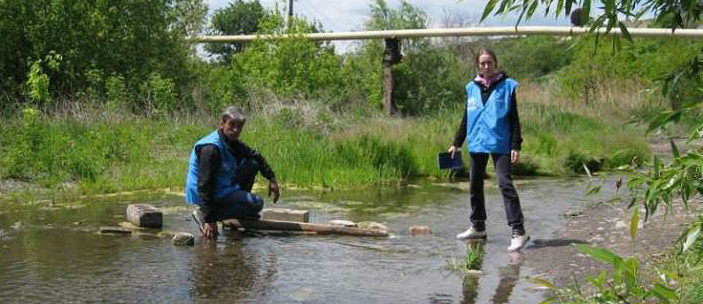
point(459, 32)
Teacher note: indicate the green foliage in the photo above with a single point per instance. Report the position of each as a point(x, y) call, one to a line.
point(159, 93)
point(389, 158)
point(622, 285)
point(429, 79)
point(74, 41)
point(550, 54)
point(649, 60)
point(239, 18)
point(670, 14)
point(116, 92)
point(38, 83)
point(34, 149)
point(386, 18)
point(290, 67)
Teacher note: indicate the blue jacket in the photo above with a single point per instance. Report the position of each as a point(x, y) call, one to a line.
point(226, 173)
point(487, 127)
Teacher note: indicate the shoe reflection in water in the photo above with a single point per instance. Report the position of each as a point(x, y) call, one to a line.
point(509, 275)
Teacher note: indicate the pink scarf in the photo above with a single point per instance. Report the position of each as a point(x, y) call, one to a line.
point(486, 82)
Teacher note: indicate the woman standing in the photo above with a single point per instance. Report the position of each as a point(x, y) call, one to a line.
point(491, 127)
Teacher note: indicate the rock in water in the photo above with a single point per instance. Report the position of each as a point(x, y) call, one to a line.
point(419, 230)
point(144, 215)
point(183, 239)
point(342, 223)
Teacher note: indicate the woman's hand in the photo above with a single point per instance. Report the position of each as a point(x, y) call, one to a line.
point(514, 156)
point(453, 150)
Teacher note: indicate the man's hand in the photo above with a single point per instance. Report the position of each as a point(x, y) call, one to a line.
point(514, 156)
point(453, 150)
point(210, 230)
point(273, 188)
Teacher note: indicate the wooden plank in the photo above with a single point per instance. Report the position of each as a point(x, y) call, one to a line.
point(114, 230)
point(285, 214)
point(317, 228)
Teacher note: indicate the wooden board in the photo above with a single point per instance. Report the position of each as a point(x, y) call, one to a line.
point(284, 214)
point(317, 228)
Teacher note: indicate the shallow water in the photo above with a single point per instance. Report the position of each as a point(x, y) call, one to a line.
point(52, 253)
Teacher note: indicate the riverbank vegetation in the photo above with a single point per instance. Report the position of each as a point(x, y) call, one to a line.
point(98, 124)
point(74, 117)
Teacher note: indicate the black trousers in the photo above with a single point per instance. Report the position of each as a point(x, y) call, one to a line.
point(513, 212)
point(241, 203)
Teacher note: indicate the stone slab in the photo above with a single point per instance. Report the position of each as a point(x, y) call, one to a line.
point(144, 215)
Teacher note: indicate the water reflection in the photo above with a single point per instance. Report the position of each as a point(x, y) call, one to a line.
point(224, 271)
point(54, 254)
point(509, 276)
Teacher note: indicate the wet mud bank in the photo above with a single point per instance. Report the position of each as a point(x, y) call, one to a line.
point(606, 226)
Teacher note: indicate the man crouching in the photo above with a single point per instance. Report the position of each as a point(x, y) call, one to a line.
point(221, 173)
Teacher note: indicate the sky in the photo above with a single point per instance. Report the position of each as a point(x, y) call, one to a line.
point(349, 15)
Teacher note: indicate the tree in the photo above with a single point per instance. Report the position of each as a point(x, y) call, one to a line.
point(239, 18)
point(78, 44)
point(672, 14)
point(385, 18)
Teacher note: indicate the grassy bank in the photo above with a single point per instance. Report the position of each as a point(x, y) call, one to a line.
point(308, 145)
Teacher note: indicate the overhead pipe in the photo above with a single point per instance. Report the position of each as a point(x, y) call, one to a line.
point(457, 32)
point(392, 52)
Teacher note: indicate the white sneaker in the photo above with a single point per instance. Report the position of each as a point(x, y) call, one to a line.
point(471, 233)
point(518, 241)
point(199, 219)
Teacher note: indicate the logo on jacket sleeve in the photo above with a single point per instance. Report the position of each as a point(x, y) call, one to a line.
point(471, 103)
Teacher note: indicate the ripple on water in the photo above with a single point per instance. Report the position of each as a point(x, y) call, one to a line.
point(74, 264)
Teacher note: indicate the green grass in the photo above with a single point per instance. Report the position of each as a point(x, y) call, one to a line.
point(471, 261)
point(103, 152)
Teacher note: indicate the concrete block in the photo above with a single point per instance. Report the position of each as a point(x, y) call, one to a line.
point(144, 215)
point(419, 230)
point(284, 214)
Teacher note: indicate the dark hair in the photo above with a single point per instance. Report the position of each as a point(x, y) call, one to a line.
point(487, 52)
point(232, 112)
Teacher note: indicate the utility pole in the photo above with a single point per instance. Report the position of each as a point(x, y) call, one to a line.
point(391, 56)
point(290, 12)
